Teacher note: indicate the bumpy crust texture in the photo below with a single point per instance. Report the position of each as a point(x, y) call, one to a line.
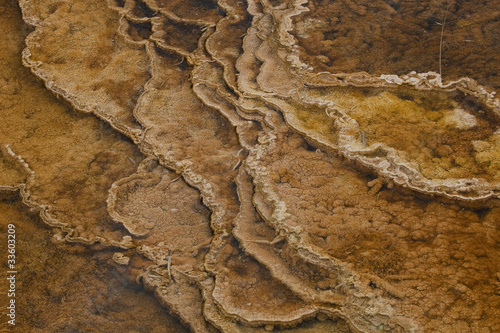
point(260, 178)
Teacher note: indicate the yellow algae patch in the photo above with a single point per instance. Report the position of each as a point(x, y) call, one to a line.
point(308, 118)
point(434, 137)
point(424, 139)
point(486, 154)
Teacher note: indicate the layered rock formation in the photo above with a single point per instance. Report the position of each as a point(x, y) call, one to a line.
point(270, 192)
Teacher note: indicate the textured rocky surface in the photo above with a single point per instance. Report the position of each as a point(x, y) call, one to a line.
point(382, 37)
point(73, 288)
point(256, 168)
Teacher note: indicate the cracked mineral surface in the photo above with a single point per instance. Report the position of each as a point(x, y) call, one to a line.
point(294, 166)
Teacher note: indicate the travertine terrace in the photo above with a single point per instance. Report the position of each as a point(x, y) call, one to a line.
point(255, 181)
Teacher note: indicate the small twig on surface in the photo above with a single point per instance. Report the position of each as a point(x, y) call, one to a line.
point(441, 39)
point(169, 264)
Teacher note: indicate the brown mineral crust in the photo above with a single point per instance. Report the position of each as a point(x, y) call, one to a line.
point(81, 214)
point(133, 11)
point(406, 241)
point(176, 35)
point(152, 202)
point(12, 172)
point(443, 137)
point(70, 287)
point(247, 64)
point(168, 216)
point(209, 86)
point(248, 67)
point(312, 283)
point(186, 135)
point(295, 224)
point(158, 205)
point(309, 119)
point(261, 72)
point(208, 76)
point(175, 241)
point(376, 257)
point(459, 177)
point(158, 67)
point(212, 96)
point(117, 4)
point(181, 294)
point(227, 325)
point(397, 37)
point(80, 40)
point(211, 89)
point(282, 16)
point(192, 139)
point(135, 33)
point(287, 51)
point(139, 11)
point(256, 109)
point(225, 44)
point(242, 284)
point(74, 158)
point(236, 273)
point(34, 13)
point(206, 12)
point(229, 284)
point(274, 77)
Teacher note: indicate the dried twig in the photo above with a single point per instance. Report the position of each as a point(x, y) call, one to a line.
point(441, 38)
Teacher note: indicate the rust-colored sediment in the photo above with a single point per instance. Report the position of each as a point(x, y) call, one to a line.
point(257, 165)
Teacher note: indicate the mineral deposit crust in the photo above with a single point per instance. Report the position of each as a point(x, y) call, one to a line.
point(259, 181)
